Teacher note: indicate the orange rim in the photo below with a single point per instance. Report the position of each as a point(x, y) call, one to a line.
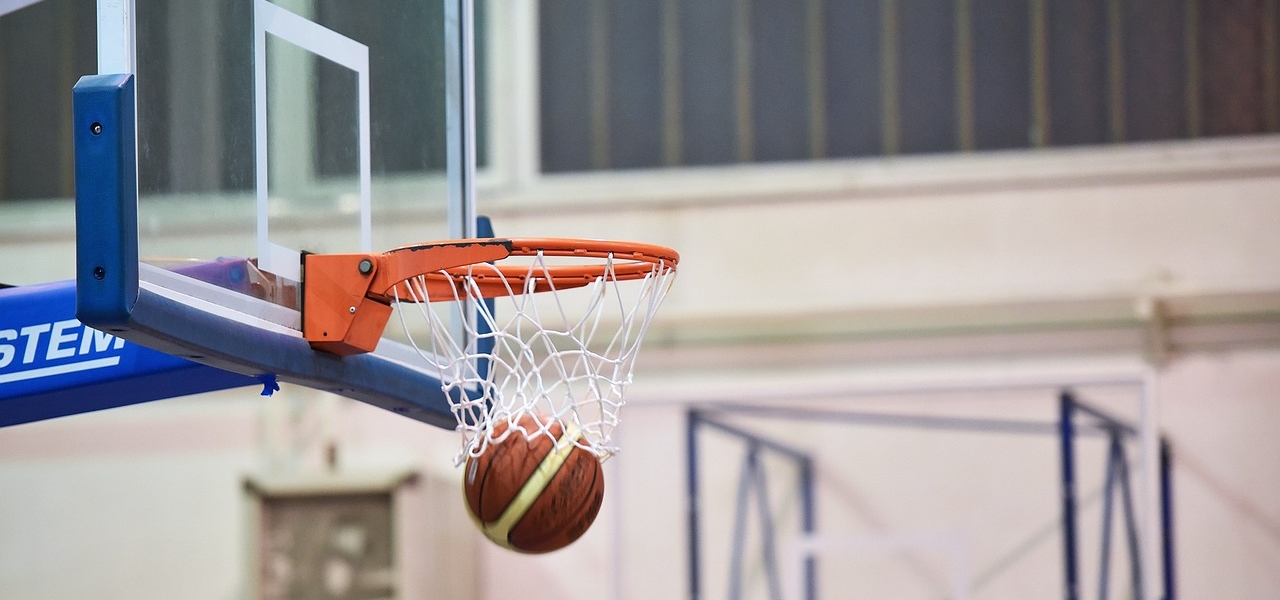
point(630, 261)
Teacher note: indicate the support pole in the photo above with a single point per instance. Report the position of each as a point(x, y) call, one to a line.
point(695, 569)
point(1149, 512)
point(752, 478)
point(1131, 522)
point(1108, 501)
point(809, 522)
point(1166, 518)
point(1066, 410)
point(760, 484)
point(746, 480)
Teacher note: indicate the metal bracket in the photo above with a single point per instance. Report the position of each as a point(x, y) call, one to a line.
point(347, 297)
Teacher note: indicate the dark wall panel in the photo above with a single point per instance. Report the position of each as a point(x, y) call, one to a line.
point(1078, 72)
point(565, 85)
point(926, 76)
point(1155, 70)
point(779, 80)
point(1001, 74)
point(706, 82)
point(852, 57)
point(1231, 67)
point(635, 84)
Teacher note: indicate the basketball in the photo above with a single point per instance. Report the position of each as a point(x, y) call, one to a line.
point(536, 495)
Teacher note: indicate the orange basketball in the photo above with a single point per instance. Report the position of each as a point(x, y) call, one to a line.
point(536, 495)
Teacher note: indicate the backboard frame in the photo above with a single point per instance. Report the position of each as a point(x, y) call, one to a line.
point(117, 294)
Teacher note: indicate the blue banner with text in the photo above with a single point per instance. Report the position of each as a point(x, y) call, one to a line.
point(51, 365)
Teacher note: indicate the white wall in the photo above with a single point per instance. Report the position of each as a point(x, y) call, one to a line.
point(137, 502)
point(997, 492)
point(912, 267)
point(793, 276)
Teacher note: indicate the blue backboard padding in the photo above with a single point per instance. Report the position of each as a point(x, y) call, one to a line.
point(106, 199)
point(51, 365)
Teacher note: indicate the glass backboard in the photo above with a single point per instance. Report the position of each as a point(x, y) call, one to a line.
point(259, 132)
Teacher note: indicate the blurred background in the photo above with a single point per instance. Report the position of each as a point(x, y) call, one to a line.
point(907, 228)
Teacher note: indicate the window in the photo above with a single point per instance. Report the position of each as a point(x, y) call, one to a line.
point(649, 83)
point(195, 88)
point(44, 49)
point(197, 97)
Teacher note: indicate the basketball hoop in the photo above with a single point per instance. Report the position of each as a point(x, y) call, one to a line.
point(556, 327)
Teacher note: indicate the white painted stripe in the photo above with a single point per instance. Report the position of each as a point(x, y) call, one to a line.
point(265, 261)
point(366, 156)
point(314, 38)
point(466, 37)
point(60, 369)
point(116, 37)
point(285, 262)
point(310, 36)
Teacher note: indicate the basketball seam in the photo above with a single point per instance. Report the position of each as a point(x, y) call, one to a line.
point(500, 529)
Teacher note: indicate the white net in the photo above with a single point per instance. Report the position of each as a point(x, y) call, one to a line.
point(542, 345)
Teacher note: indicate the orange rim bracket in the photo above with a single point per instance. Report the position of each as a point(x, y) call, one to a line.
point(346, 306)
